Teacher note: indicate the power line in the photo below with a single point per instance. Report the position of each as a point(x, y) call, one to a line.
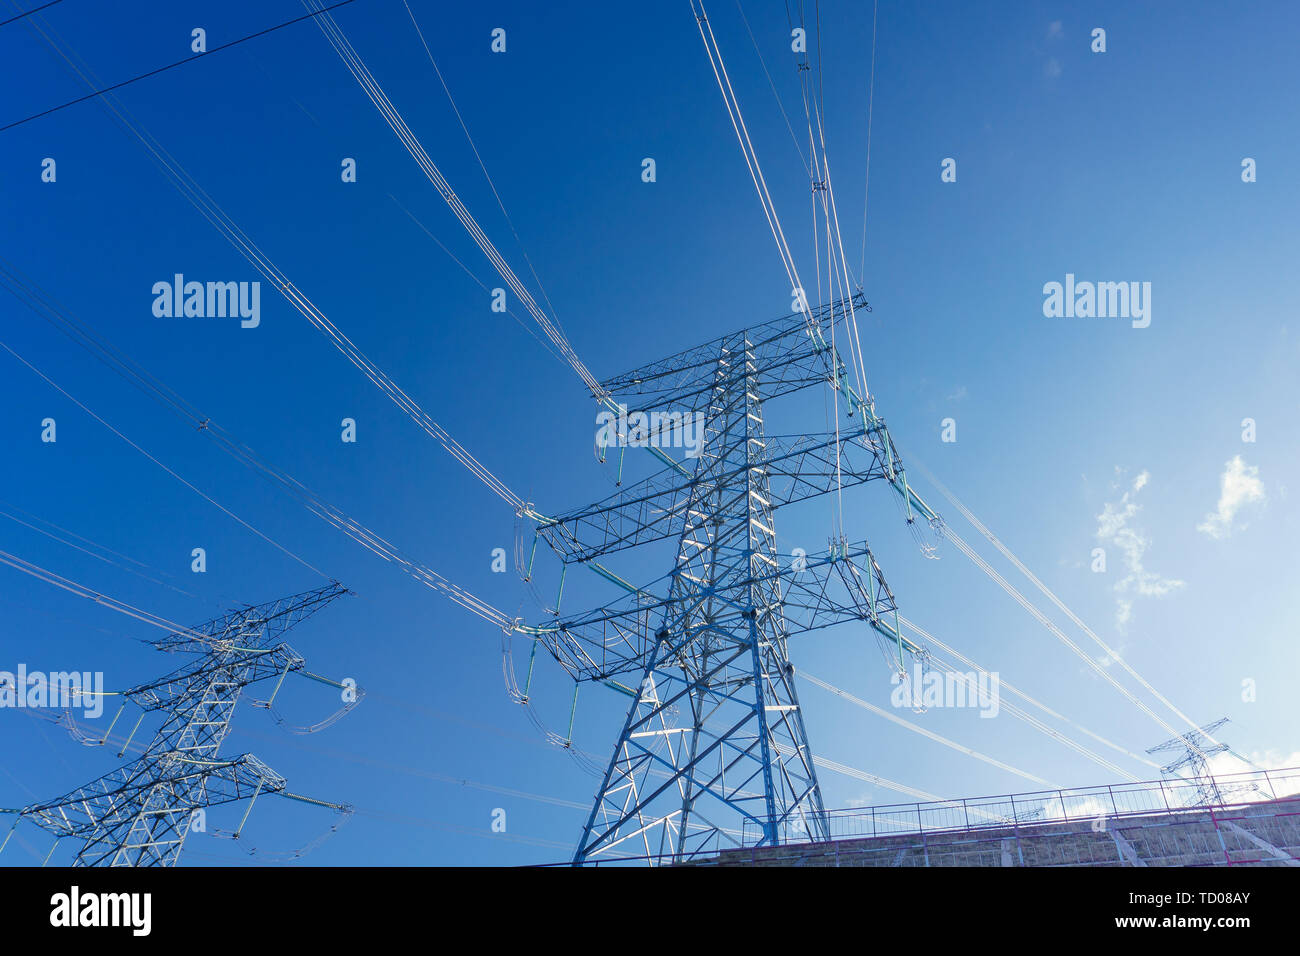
point(917, 729)
point(86, 550)
point(380, 99)
point(212, 211)
point(1051, 596)
point(28, 13)
point(67, 584)
point(871, 102)
point(141, 813)
point(169, 66)
point(492, 185)
point(1007, 686)
point(772, 84)
point(814, 107)
point(269, 540)
point(33, 297)
point(469, 272)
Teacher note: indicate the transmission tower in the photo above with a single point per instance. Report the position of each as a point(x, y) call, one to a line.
point(714, 752)
point(1196, 747)
point(141, 813)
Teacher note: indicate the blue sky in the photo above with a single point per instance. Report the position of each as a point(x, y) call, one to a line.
point(1115, 166)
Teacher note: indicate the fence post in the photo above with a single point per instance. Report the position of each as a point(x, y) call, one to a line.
point(1015, 828)
point(965, 811)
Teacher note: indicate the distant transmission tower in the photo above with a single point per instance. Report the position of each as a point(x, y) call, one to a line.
point(1196, 746)
point(714, 752)
point(141, 813)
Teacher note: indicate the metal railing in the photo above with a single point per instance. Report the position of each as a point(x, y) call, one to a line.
point(1145, 798)
point(1020, 811)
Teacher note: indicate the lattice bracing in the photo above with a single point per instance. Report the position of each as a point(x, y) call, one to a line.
point(141, 813)
point(714, 745)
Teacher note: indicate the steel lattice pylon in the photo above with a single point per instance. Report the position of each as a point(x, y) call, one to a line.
point(1196, 747)
point(714, 752)
point(141, 813)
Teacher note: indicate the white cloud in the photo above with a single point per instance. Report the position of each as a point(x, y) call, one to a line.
point(1278, 785)
point(1115, 529)
point(1275, 760)
point(1239, 485)
point(1105, 660)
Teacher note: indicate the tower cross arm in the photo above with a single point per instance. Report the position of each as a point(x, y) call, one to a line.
point(797, 467)
point(261, 623)
point(120, 795)
point(787, 353)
